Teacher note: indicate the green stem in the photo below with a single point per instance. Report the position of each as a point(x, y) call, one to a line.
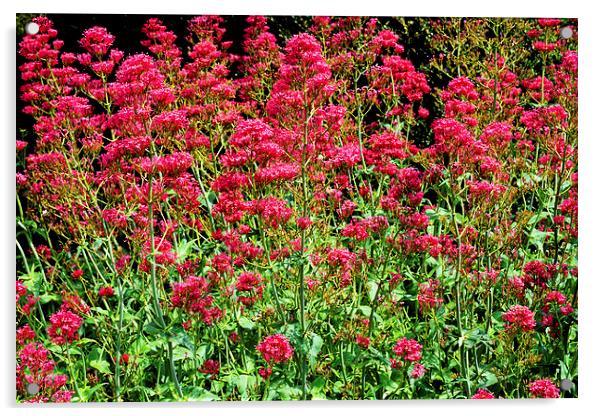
point(156, 304)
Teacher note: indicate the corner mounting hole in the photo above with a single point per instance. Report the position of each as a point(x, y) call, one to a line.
point(32, 28)
point(566, 32)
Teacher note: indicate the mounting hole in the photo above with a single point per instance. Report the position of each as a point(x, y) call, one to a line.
point(32, 28)
point(32, 389)
point(566, 32)
point(566, 385)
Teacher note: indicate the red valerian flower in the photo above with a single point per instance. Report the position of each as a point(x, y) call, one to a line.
point(249, 288)
point(97, 40)
point(429, 295)
point(408, 349)
point(275, 348)
point(163, 253)
point(559, 299)
point(21, 290)
point(193, 296)
point(25, 333)
point(417, 371)
point(265, 372)
point(538, 273)
point(549, 22)
point(519, 319)
point(483, 394)
point(234, 337)
point(210, 367)
point(362, 341)
point(20, 145)
point(544, 389)
point(304, 223)
point(273, 211)
point(106, 292)
point(34, 367)
point(63, 327)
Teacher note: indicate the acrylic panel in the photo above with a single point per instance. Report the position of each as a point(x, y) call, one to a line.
point(295, 208)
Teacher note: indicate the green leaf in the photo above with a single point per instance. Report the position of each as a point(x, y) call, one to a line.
point(287, 392)
point(87, 392)
point(33, 281)
point(182, 354)
point(488, 379)
point(46, 298)
point(97, 243)
point(101, 365)
point(153, 329)
point(536, 218)
point(372, 289)
point(243, 383)
point(365, 310)
point(184, 248)
point(246, 323)
point(538, 237)
point(317, 389)
point(180, 337)
point(314, 350)
point(198, 394)
point(475, 336)
point(378, 357)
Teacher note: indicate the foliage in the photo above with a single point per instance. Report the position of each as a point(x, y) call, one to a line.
point(308, 218)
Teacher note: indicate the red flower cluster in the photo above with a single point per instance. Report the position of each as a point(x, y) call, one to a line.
point(544, 389)
point(408, 350)
point(275, 349)
point(249, 288)
point(193, 296)
point(106, 292)
point(537, 273)
point(24, 334)
point(483, 394)
point(519, 319)
point(314, 164)
point(210, 367)
point(64, 327)
point(429, 295)
point(35, 370)
point(265, 372)
point(362, 341)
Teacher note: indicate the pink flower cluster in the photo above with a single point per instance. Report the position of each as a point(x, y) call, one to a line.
point(537, 273)
point(210, 367)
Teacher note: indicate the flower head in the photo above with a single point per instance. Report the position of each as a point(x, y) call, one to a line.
point(97, 40)
point(408, 349)
point(519, 319)
point(275, 348)
point(210, 367)
point(417, 371)
point(544, 388)
point(63, 327)
point(483, 394)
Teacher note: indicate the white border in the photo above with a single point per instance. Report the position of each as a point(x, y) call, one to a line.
point(589, 172)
